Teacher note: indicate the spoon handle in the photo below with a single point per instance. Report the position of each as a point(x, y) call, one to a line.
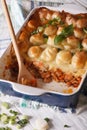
point(11, 30)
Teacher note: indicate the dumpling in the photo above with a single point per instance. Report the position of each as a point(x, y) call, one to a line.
point(81, 23)
point(63, 56)
point(50, 30)
point(49, 54)
point(78, 33)
point(37, 39)
point(34, 52)
point(72, 41)
point(79, 60)
point(70, 20)
point(45, 15)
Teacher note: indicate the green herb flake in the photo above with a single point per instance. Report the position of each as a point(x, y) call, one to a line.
point(5, 128)
point(51, 22)
point(67, 126)
point(62, 23)
point(46, 25)
point(67, 31)
point(14, 112)
point(22, 122)
point(45, 36)
point(4, 118)
point(40, 29)
point(34, 32)
point(12, 121)
point(85, 30)
point(79, 17)
point(47, 119)
point(80, 46)
point(58, 39)
point(54, 21)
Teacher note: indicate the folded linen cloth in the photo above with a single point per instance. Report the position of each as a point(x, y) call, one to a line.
point(58, 120)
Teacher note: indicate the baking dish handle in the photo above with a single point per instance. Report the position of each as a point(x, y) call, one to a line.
point(24, 89)
point(28, 90)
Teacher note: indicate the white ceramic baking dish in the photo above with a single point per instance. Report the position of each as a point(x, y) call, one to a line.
point(44, 93)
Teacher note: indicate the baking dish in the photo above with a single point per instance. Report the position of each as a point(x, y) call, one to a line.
point(46, 94)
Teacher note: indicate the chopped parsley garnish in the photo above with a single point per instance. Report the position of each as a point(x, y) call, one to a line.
point(79, 17)
point(80, 46)
point(47, 119)
point(85, 30)
point(67, 31)
point(59, 38)
point(54, 21)
point(5, 128)
point(34, 32)
point(45, 36)
point(22, 122)
point(13, 112)
point(67, 126)
point(62, 23)
point(39, 29)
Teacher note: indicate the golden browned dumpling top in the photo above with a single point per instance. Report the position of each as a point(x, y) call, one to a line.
point(79, 59)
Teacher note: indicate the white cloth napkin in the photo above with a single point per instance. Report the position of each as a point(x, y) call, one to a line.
point(58, 117)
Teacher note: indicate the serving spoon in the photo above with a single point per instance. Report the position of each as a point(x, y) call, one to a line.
point(24, 76)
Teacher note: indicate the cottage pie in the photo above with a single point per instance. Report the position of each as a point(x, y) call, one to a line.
point(53, 45)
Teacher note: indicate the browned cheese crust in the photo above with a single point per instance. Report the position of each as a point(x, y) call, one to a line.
point(53, 45)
